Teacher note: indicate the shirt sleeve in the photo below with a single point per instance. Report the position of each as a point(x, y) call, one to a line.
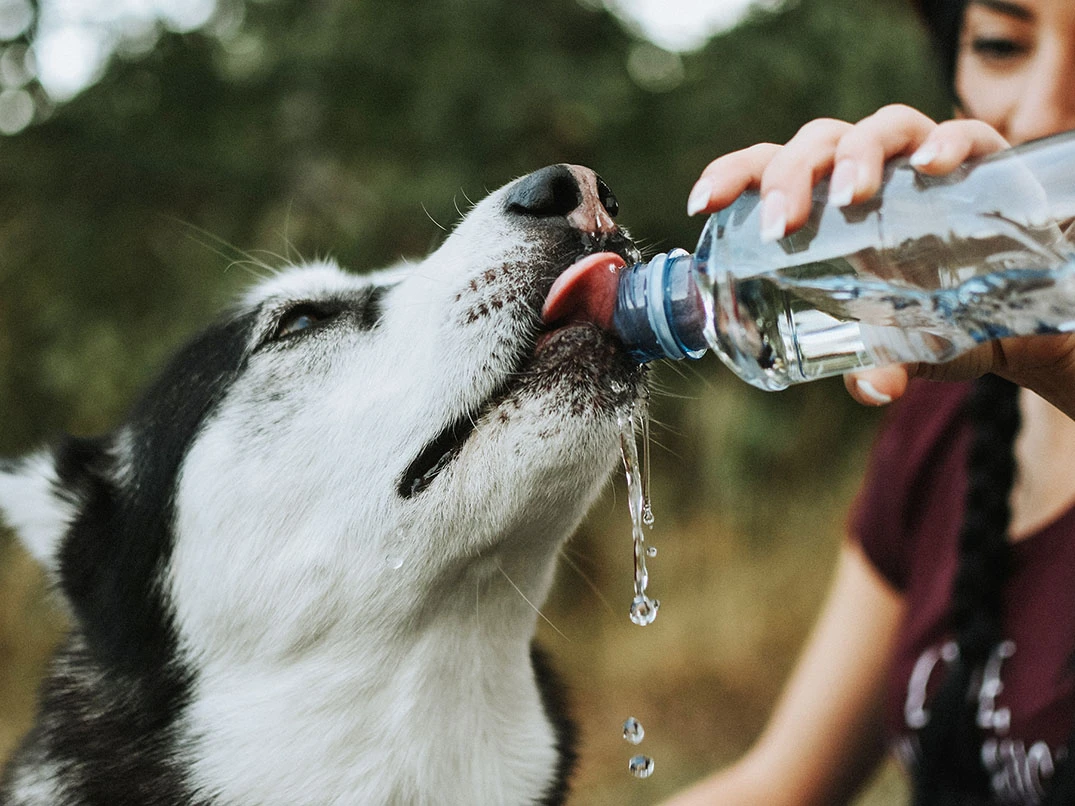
point(896, 471)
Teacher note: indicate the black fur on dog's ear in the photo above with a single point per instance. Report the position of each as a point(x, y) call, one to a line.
point(111, 561)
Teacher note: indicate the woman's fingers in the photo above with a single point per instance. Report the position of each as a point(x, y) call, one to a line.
point(726, 177)
point(863, 151)
point(881, 385)
point(877, 387)
point(786, 174)
point(953, 142)
point(855, 155)
point(788, 180)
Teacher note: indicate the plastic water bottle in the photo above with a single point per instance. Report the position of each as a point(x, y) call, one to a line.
point(927, 269)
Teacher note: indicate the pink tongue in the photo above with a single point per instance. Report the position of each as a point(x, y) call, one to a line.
point(586, 292)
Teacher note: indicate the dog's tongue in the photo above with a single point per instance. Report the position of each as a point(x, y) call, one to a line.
point(585, 292)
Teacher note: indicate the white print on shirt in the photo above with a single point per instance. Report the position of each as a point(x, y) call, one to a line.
point(914, 708)
point(1017, 774)
point(989, 716)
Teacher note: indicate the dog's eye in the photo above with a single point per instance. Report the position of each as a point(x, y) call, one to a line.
point(300, 318)
point(609, 202)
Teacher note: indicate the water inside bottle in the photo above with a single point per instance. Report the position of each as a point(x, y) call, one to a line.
point(828, 317)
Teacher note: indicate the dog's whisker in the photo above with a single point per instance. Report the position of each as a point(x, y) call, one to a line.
point(281, 260)
point(257, 269)
point(289, 247)
point(429, 215)
point(533, 607)
point(589, 582)
point(213, 242)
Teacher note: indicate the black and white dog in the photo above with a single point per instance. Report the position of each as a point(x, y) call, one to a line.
point(305, 570)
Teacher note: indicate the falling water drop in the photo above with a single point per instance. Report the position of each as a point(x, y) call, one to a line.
point(643, 609)
point(641, 766)
point(647, 507)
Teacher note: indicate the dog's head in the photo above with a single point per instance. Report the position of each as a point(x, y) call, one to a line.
point(346, 453)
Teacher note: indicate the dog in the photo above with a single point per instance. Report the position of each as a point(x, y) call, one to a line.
point(306, 568)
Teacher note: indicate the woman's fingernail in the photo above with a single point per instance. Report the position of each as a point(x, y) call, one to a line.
point(924, 155)
point(774, 216)
point(869, 391)
point(842, 184)
point(699, 197)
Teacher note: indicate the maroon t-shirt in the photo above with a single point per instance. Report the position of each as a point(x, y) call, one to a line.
point(907, 518)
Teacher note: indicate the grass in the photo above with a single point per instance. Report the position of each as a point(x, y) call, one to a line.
point(31, 624)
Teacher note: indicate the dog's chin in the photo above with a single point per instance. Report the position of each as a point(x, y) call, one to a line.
point(576, 372)
point(584, 369)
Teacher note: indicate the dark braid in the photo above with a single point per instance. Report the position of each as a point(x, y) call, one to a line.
point(950, 768)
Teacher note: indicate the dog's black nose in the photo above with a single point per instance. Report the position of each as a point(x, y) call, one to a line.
point(552, 191)
point(571, 192)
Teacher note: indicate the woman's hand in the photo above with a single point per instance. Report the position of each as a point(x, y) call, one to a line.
point(854, 155)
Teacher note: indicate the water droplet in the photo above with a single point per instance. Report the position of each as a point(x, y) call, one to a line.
point(644, 610)
point(647, 508)
point(651, 551)
point(393, 562)
point(633, 730)
point(641, 766)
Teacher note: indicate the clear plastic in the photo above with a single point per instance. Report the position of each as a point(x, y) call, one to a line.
point(929, 268)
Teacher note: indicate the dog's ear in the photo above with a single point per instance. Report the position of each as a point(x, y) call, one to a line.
point(35, 502)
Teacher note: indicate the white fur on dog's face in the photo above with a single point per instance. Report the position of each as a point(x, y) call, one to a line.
point(324, 424)
point(318, 545)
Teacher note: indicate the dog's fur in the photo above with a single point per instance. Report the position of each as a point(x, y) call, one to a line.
point(305, 569)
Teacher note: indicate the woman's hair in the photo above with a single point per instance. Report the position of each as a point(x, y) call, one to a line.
point(944, 20)
point(950, 768)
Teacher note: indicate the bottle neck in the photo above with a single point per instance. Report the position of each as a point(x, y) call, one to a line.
point(659, 311)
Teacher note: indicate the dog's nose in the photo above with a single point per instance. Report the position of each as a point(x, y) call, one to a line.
point(571, 192)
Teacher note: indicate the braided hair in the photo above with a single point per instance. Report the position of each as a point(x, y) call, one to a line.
point(950, 769)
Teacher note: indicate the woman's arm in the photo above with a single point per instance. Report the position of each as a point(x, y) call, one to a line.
point(825, 735)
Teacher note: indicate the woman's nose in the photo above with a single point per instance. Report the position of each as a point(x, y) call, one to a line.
point(1047, 103)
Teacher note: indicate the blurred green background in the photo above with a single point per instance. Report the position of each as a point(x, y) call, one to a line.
point(284, 129)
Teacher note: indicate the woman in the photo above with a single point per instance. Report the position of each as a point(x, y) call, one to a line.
point(949, 632)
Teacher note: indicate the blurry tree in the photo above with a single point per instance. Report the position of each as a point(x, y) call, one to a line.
point(355, 129)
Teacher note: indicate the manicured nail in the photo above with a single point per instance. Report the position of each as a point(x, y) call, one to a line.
point(869, 391)
point(699, 197)
point(924, 155)
point(774, 216)
point(842, 184)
